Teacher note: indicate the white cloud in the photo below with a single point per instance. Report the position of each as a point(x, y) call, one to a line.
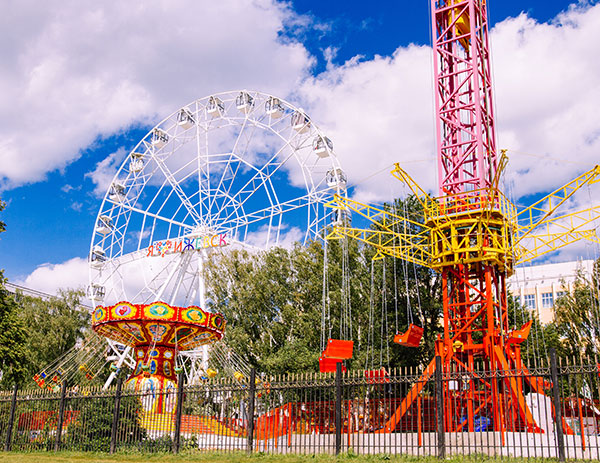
point(77, 70)
point(105, 170)
point(49, 278)
point(378, 112)
point(547, 93)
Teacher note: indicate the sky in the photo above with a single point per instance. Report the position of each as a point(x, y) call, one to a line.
point(82, 82)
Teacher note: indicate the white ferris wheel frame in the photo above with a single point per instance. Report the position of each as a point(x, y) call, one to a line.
point(147, 183)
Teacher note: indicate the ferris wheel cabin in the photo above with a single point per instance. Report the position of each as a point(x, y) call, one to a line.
point(185, 119)
point(336, 178)
point(274, 108)
point(300, 122)
point(116, 192)
point(104, 225)
point(97, 257)
point(96, 293)
point(244, 102)
point(322, 146)
point(136, 164)
point(215, 107)
point(159, 138)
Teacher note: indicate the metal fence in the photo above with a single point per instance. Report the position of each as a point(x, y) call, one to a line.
point(405, 412)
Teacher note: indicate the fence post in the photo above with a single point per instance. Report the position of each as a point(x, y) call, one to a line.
point(61, 415)
point(11, 420)
point(338, 408)
point(115, 422)
point(251, 393)
point(560, 440)
point(179, 412)
point(439, 394)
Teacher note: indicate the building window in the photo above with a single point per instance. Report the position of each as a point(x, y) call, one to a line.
point(530, 301)
point(547, 300)
point(560, 294)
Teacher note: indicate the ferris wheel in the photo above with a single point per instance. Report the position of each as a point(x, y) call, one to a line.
point(235, 169)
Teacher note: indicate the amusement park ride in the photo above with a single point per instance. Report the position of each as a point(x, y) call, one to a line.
point(471, 233)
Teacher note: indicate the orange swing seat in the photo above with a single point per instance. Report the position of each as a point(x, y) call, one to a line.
point(338, 349)
point(328, 365)
point(411, 338)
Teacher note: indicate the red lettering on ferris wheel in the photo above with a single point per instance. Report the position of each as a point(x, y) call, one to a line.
point(162, 248)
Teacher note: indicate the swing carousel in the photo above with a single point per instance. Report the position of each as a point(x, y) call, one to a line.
point(157, 333)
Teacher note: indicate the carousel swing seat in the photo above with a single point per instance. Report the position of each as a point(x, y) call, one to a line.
point(338, 349)
point(411, 338)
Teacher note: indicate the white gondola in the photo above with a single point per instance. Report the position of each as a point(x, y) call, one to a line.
point(322, 146)
point(274, 108)
point(97, 257)
point(117, 192)
point(185, 119)
point(244, 102)
point(341, 218)
point(96, 293)
point(136, 164)
point(336, 178)
point(300, 122)
point(159, 138)
point(104, 225)
point(215, 107)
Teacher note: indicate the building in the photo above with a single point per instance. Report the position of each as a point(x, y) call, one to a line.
point(537, 287)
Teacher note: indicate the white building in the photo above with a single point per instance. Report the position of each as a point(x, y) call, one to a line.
point(537, 287)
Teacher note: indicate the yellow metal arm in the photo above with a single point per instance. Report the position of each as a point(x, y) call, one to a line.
point(566, 223)
point(413, 248)
point(539, 212)
point(381, 217)
point(557, 233)
point(427, 202)
point(538, 245)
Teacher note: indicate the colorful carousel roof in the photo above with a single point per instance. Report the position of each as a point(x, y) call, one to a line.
point(158, 323)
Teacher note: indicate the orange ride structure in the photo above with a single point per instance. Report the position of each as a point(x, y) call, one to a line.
point(471, 233)
point(157, 332)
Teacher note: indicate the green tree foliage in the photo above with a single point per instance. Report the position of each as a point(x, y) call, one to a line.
point(13, 340)
point(577, 316)
point(541, 338)
point(91, 428)
point(12, 334)
point(273, 301)
point(53, 327)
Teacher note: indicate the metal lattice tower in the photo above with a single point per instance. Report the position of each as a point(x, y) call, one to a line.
point(472, 234)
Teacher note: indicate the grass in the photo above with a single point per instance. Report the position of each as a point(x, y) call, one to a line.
point(88, 457)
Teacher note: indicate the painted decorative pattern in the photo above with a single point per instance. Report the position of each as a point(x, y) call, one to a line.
point(135, 325)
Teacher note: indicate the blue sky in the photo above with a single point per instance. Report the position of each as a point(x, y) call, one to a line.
point(84, 86)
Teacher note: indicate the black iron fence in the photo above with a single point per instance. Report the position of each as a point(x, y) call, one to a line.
point(548, 410)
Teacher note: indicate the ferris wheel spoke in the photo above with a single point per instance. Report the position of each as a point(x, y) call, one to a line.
point(276, 209)
point(256, 181)
point(232, 155)
point(179, 191)
point(251, 185)
point(156, 216)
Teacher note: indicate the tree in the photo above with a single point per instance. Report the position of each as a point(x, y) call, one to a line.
point(273, 301)
point(12, 334)
point(53, 327)
point(577, 315)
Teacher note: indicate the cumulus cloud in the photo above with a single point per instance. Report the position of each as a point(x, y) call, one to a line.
point(547, 87)
point(49, 278)
point(378, 112)
point(77, 70)
point(104, 172)
point(547, 95)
